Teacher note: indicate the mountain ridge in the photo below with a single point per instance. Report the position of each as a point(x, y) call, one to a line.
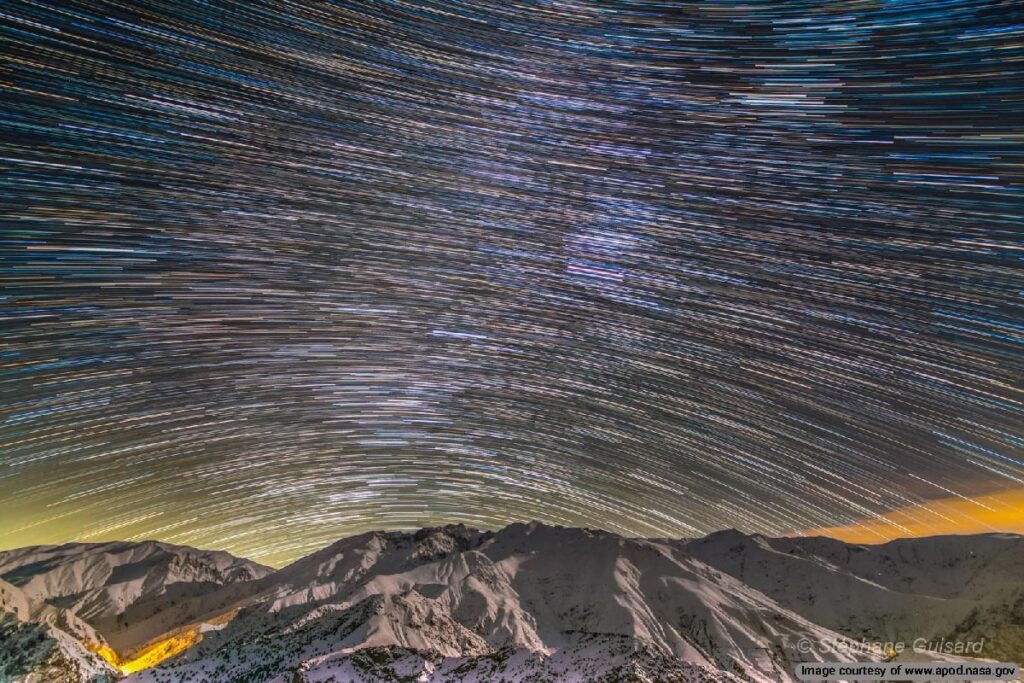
point(528, 602)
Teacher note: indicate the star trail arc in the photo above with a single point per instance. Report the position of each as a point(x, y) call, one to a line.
point(278, 272)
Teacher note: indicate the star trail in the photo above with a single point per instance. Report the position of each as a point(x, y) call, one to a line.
point(278, 272)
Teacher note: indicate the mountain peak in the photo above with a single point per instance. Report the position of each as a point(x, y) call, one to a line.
point(727, 533)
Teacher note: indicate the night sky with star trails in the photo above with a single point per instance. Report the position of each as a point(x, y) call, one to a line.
point(278, 272)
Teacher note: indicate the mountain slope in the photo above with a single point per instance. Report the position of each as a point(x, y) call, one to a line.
point(46, 654)
point(114, 598)
point(98, 580)
point(947, 567)
point(51, 643)
point(528, 601)
point(897, 591)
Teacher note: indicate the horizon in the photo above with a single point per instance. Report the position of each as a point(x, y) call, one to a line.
point(1000, 511)
point(413, 530)
point(993, 512)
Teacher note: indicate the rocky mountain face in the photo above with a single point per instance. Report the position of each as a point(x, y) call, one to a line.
point(90, 608)
point(527, 603)
point(898, 591)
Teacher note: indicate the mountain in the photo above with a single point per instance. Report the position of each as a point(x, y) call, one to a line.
point(47, 653)
point(51, 643)
point(897, 591)
point(100, 604)
point(527, 603)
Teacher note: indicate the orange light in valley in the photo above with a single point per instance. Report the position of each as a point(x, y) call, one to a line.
point(152, 653)
point(104, 651)
point(156, 651)
point(1002, 511)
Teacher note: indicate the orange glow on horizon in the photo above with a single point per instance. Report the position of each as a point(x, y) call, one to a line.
point(1003, 511)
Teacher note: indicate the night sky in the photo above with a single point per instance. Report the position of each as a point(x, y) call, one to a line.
point(279, 272)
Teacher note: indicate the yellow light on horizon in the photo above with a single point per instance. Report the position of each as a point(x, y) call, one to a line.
point(995, 512)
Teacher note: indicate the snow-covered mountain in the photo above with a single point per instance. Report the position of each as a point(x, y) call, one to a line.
point(897, 591)
point(527, 603)
point(97, 604)
point(41, 652)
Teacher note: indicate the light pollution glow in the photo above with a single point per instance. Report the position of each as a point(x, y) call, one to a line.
point(1003, 511)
